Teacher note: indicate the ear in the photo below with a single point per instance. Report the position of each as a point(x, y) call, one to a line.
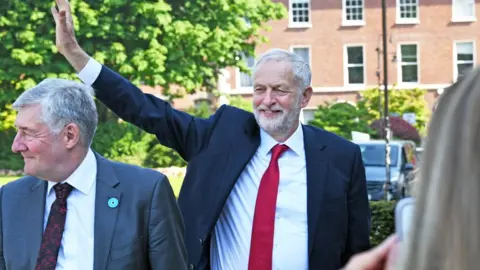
point(306, 95)
point(71, 135)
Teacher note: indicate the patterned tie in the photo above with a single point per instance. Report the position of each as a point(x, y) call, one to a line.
point(261, 246)
point(52, 237)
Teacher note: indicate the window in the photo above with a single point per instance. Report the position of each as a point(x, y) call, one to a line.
point(246, 79)
point(303, 52)
point(353, 12)
point(307, 115)
point(374, 154)
point(299, 13)
point(408, 63)
point(464, 58)
point(463, 10)
point(355, 70)
point(407, 11)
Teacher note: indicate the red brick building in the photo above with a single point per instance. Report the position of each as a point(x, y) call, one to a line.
point(430, 43)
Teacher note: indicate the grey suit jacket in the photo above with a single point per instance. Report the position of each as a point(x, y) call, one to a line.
point(145, 231)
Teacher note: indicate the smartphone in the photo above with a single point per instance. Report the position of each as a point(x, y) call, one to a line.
point(404, 211)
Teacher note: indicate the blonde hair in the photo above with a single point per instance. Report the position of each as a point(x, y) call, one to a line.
point(446, 229)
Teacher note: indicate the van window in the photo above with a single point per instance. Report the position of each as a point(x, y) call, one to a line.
point(374, 154)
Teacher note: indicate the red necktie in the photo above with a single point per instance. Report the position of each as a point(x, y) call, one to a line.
point(52, 236)
point(261, 246)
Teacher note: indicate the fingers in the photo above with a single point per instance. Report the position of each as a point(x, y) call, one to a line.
point(63, 5)
point(373, 259)
point(55, 14)
point(392, 256)
point(383, 249)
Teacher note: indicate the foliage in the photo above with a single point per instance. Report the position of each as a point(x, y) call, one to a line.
point(400, 129)
point(240, 102)
point(341, 119)
point(202, 109)
point(159, 156)
point(8, 159)
point(399, 102)
point(121, 141)
point(383, 221)
point(149, 42)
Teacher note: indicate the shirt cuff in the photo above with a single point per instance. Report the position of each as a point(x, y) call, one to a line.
point(89, 74)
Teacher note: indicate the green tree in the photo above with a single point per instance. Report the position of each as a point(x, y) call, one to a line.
point(240, 102)
point(341, 119)
point(150, 42)
point(203, 109)
point(179, 45)
point(400, 101)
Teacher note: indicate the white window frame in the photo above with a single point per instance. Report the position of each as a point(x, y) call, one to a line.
point(346, 65)
point(400, 20)
point(302, 116)
point(455, 18)
point(291, 23)
point(346, 22)
point(238, 79)
point(304, 47)
point(400, 64)
point(455, 61)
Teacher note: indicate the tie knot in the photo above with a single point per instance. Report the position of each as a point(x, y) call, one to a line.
point(62, 190)
point(278, 150)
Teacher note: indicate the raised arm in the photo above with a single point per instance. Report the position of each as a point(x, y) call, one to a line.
point(175, 129)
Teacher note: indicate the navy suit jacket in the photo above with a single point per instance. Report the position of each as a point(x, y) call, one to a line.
point(217, 149)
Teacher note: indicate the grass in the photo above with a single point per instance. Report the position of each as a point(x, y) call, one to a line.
point(175, 182)
point(6, 179)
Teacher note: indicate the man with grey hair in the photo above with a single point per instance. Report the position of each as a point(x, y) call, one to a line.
point(76, 209)
point(261, 191)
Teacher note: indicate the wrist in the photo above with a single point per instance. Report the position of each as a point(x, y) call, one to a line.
point(76, 56)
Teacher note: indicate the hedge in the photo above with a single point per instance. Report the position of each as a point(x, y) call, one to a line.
point(383, 221)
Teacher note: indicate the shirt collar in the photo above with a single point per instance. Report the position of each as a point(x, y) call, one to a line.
point(295, 142)
point(83, 177)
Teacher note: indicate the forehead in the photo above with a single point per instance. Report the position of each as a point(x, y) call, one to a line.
point(29, 117)
point(274, 72)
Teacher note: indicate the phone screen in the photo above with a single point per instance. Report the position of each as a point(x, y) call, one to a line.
point(404, 212)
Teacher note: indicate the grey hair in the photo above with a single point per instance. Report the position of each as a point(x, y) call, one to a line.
point(63, 102)
point(301, 69)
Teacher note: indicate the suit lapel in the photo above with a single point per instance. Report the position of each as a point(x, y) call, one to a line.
point(105, 216)
point(239, 154)
point(317, 169)
point(34, 210)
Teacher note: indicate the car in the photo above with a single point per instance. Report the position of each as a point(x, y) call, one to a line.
point(403, 161)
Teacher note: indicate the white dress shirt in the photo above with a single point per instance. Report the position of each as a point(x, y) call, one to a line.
point(230, 245)
point(76, 250)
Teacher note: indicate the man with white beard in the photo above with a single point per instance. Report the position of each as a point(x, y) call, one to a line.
point(262, 191)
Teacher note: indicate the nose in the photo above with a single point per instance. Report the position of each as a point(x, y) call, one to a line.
point(268, 98)
point(17, 145)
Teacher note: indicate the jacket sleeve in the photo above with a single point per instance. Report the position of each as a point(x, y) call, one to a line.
point(166, 243)
point(186, 134)
point(358, 238)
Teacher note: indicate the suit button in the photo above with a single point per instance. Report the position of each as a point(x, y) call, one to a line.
point(191, 266)
point(201, 241)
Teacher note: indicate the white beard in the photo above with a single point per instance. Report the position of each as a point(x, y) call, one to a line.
point(280, 124)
